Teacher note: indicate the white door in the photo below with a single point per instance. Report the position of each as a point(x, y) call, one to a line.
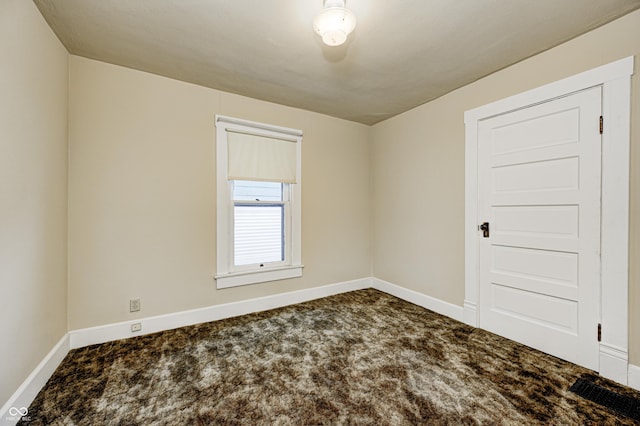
point(539, 190)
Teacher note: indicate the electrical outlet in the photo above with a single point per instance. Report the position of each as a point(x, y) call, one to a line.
point(136, 327)
point(134, 305)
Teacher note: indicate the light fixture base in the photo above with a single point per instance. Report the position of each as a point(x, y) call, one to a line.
point(333, 3)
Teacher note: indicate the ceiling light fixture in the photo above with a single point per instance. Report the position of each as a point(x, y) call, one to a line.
point(334, 23)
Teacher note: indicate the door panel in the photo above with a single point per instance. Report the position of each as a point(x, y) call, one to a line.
point(548, 272)
point(552, 266)
point(542, 221)
point(535, 133)
point(539, 188)
point(546, 311)
point(537, 176)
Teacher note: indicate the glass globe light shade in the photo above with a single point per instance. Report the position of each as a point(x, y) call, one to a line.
point(334, 24)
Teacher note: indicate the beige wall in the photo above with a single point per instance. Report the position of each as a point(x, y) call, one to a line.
point(33, 192)
point(418, 170)
point(142, 194)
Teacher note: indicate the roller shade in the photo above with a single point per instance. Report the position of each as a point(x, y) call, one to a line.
point(261, 158)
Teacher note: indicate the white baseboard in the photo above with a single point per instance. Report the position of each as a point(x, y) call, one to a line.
point(614, 363)
point(470, 313)
point(122, 330)
point(634, 377)
point(436, 305)
point(28, 390)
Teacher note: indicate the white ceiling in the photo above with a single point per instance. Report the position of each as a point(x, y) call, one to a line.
point(402, 53)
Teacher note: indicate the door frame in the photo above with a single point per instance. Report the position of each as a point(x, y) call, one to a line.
point(615, 79)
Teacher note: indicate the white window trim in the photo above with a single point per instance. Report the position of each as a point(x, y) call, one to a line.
point(226, 277)
point(615, 80)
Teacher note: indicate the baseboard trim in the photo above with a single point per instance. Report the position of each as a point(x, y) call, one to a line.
point(122, 330)
point(470, 313)
point(634, 377)
point(614, 363)
point(28, 390)
point(436, 305)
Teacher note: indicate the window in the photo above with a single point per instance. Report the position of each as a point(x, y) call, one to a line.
point(258, 202)
point(260, 219)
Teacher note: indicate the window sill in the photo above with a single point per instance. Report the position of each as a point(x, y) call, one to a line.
point(236, 279)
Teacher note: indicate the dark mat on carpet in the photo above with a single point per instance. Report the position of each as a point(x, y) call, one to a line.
point(622, 404)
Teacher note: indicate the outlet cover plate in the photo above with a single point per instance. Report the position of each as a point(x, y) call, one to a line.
point(134, 305)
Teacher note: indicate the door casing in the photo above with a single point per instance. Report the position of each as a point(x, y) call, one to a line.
point(615, 80)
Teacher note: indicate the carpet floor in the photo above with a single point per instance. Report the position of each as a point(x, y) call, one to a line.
point(362, 357)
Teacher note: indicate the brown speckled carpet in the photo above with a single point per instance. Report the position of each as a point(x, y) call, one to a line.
point(357, 358)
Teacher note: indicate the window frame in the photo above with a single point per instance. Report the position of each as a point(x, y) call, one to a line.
point(228, 275)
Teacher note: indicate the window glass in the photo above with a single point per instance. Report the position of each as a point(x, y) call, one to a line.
point(244, 190)
point(258, 234)
point(258, 223)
